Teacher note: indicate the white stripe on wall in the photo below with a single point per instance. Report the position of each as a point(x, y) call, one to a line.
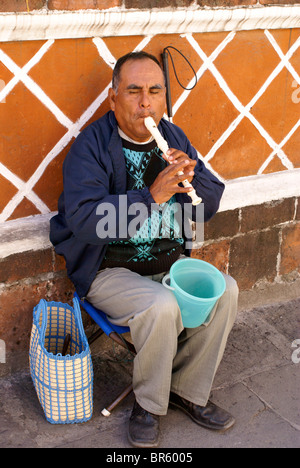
point(255, 190)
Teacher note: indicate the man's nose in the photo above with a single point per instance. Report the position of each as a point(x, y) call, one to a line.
point(145, 101)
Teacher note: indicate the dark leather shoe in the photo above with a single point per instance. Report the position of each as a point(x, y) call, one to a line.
point(143, 428)
point(209, 416)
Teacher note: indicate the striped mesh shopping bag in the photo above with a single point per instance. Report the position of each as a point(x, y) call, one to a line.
point(64, 384)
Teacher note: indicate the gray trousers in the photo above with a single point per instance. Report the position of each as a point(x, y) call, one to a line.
point(169, 356)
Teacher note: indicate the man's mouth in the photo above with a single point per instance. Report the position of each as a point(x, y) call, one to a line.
point(147, 114)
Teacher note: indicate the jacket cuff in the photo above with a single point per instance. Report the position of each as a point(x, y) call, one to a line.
point(149, 200)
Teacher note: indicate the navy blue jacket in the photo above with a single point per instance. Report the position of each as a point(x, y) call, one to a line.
point(95, 173)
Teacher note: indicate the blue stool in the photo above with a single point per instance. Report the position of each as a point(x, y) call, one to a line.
point(113, 332)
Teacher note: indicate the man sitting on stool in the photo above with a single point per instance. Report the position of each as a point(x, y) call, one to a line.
point(116, 159)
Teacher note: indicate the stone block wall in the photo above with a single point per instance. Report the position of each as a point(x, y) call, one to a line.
point(69, 5)
point(255, 244)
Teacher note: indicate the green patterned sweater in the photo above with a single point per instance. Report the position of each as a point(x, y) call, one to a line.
point(158, 242)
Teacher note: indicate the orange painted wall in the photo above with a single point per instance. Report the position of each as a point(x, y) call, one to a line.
point(48, 101)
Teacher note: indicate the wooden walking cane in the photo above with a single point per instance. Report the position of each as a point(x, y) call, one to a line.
point(66, 344)
point(130, 347)
point(107, 411)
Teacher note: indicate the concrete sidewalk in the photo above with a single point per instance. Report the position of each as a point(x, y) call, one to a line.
point(258, 382)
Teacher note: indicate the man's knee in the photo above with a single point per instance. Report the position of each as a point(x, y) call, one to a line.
point(165, 306)
point(160, 318)
point(231, 286)
point(230, 297)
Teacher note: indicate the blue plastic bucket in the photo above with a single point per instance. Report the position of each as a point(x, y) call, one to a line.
point(197, 286)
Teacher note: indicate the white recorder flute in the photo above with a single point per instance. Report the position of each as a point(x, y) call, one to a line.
point(163, 146)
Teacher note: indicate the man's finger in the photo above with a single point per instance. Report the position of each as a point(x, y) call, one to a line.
point(173, 169)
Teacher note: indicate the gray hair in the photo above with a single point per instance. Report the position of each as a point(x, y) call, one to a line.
point(131, 56)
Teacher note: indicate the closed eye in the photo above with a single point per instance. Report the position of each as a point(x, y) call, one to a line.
point(134, 89)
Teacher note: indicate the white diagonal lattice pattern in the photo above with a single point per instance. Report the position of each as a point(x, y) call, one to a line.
point(26, 188)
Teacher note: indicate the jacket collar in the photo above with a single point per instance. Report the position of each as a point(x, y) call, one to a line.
point(115, 150)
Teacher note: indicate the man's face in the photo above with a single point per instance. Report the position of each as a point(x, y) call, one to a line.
point(141, 93)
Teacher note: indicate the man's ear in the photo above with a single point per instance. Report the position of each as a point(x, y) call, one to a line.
point(112, 98)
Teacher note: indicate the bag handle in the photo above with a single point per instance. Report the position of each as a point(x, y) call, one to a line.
point(78, 315)
point(164, 282)
point(41, 308)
